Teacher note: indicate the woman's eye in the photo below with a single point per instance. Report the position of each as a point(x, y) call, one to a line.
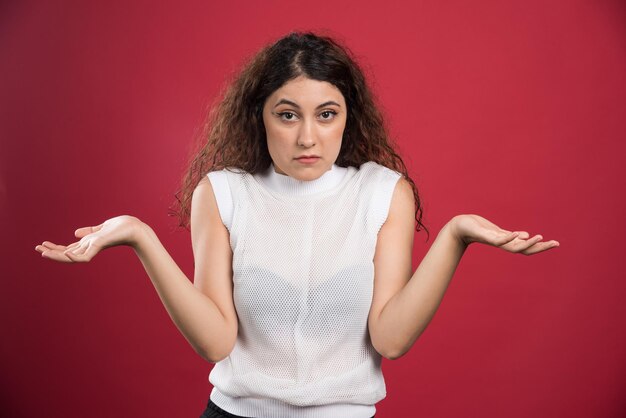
point(287, 116)
point(325, 114)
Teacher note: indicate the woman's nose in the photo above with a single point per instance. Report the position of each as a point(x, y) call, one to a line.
point(306, 136)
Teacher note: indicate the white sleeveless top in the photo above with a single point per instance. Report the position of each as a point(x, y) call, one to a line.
point(303, 278)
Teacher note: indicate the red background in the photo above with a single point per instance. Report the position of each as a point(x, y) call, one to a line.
point(511, 110)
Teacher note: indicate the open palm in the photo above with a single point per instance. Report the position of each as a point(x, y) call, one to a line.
point(120, 230)
point(475, 228)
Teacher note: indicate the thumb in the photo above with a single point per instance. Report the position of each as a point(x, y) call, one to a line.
point(86, 230)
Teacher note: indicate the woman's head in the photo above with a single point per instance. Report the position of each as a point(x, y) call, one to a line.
point(243, 130)
point(304, 117)
point(298, 56)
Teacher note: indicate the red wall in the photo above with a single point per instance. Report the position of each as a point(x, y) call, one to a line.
point(511, 111)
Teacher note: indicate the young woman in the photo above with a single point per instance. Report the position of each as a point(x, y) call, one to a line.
point(302, 223)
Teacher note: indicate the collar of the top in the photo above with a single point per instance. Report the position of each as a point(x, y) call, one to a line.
point(290, 186)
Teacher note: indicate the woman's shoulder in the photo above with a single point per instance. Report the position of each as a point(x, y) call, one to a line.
point(228, 175)
point(225, 170)
point(372, 167)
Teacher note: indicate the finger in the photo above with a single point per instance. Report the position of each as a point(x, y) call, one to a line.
point(72, 246)
point(77, 250)
point(507, 238)
point(56, 256)
point(52, 246)
point(90, 252)
point(540, 247)
point(41, 248)
point(79, 258)
point(537, 248)
point(517, 244)
point(529, 243)
point(86, 230)
point(73, 257)
point(523, 234)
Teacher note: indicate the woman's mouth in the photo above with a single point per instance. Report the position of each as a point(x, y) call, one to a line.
point(308, 159)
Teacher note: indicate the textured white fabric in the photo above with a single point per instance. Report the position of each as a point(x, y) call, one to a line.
point(303, 278)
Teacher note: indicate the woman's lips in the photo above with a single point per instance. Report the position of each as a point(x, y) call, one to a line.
point(308, 160)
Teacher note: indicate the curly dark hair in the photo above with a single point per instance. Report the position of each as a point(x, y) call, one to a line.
point(233, 134)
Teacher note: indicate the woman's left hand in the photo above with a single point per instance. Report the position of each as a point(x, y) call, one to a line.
point(474, 228)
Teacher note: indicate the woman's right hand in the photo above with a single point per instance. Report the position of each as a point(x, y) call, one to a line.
point(121, 230)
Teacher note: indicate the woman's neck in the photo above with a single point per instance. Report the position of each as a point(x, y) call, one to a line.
point(287, 185)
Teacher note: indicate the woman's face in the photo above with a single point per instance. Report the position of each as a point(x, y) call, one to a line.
point(304, 117)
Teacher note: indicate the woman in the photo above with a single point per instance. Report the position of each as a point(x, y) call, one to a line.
point(302, 222)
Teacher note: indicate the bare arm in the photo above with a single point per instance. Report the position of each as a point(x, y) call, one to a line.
point(404, 303)
point(407, 314)
point(197, 317)
point(204, 311)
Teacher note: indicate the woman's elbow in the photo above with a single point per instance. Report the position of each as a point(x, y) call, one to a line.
point(212, 357)
point(222, 347)
point(386, 349)
point(394, 353)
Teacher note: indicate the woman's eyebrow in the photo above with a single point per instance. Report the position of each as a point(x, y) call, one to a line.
point(289, 102)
